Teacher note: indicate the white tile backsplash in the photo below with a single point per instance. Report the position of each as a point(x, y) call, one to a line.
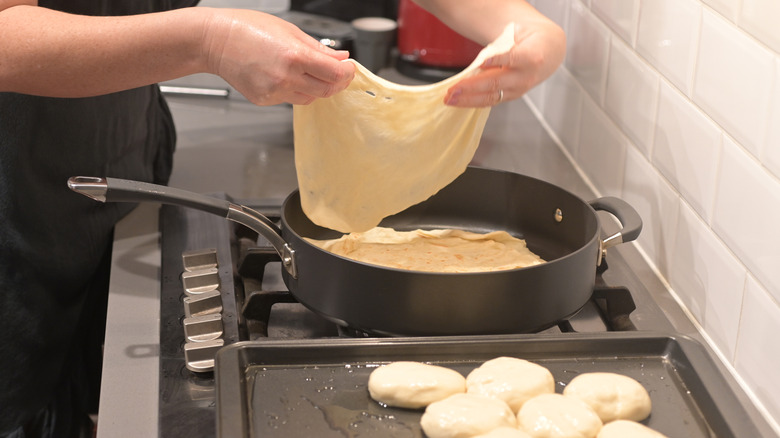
point(634, 112)
point(733, 77)
point(555, 10)
point(727, 8)
point(758, 349)
point(620, 15)
point(706, 180)
point(668, 35)
point(760, 18)
point(562, 103)
point(588, 53)
point(771, 152)
point(686, 149)
point(708, 279)
point(601, 150)
point(657, 204)
point(747, 214)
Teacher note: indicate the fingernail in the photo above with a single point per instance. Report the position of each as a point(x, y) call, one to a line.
point(452, 99)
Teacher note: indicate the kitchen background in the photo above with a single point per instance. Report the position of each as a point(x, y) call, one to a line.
point(674, 106)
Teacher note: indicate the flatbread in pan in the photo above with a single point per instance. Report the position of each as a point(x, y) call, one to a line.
point(434, 250)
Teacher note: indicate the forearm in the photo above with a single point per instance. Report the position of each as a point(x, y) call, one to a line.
point(46, 52)
point(491, 16)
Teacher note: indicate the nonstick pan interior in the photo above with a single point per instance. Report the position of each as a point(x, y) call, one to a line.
point(483, 200)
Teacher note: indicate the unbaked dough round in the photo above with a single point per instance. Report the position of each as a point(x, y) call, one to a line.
point(413, 385)
point(465, 415)
point(510, 379)
point(626, 428)
point(504, 432)
point(558, 416)
point(612, 396)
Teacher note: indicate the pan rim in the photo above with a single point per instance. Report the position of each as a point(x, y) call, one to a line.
point(591, 242)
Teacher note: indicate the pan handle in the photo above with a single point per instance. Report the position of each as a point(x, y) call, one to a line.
point(628, 217)
point(122, 190)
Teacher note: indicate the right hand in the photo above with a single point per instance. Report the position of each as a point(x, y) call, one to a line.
point(270, 61)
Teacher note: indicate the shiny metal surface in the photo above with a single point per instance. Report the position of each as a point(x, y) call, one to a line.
point(196, 91)
point(257, 222)
point(199, 281)
point(199, 356)
point(203, 304)
point(203, 328)
point(198, 259)
point(89, 186)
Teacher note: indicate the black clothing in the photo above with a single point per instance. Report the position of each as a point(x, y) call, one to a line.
point(55, 243)
point(52, 239)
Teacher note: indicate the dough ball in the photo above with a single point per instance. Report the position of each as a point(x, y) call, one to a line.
point(626, 428)
point(558, 416)
point(612, 396)
point(413, 384)
point(510, 379)
point(465, 415)
point(504, 432)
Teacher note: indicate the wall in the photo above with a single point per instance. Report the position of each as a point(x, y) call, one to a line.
point(674, 105)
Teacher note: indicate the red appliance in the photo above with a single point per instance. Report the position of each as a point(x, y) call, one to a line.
point(423, 39)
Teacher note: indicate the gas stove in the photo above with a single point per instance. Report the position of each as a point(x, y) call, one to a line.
point(222, 283)
point(247, 151)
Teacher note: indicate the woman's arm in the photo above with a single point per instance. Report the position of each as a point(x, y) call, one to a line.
point(540, 46)
point(268, 60)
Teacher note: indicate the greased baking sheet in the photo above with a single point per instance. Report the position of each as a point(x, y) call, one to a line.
point(318, 388)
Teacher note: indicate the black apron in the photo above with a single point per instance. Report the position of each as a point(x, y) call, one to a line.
point(54, 243)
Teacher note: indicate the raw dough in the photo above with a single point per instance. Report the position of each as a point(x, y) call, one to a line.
point(414, 384)
point(510, 379)
point(434, 250)
point(612, 396)
point(626, 429)
point(377, 148)
point(504, 432)
point(558, 416)
point(465, 415)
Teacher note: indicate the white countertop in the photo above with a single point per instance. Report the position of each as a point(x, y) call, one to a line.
point(129, 387)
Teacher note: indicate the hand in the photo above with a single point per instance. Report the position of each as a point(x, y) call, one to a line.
point(270, 61)
point(538, 51)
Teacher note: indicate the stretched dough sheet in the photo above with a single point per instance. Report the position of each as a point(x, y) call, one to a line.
point(378, 147)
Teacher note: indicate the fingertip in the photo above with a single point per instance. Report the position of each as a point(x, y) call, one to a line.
point(349, 70)
point(497, 61)
point(453, 96)
point(341, 55)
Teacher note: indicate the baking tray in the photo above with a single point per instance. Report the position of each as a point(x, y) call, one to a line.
point(318, 388)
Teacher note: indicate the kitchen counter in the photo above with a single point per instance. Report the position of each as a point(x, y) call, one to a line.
point(231, 146)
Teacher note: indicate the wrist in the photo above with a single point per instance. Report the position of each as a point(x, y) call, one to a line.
point(215, 30)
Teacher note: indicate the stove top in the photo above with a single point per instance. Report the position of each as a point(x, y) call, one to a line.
point(222, 284)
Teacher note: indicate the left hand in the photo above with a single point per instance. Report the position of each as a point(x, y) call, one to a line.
point(538, 51)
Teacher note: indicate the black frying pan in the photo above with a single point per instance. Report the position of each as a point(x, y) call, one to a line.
point(557, 225)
